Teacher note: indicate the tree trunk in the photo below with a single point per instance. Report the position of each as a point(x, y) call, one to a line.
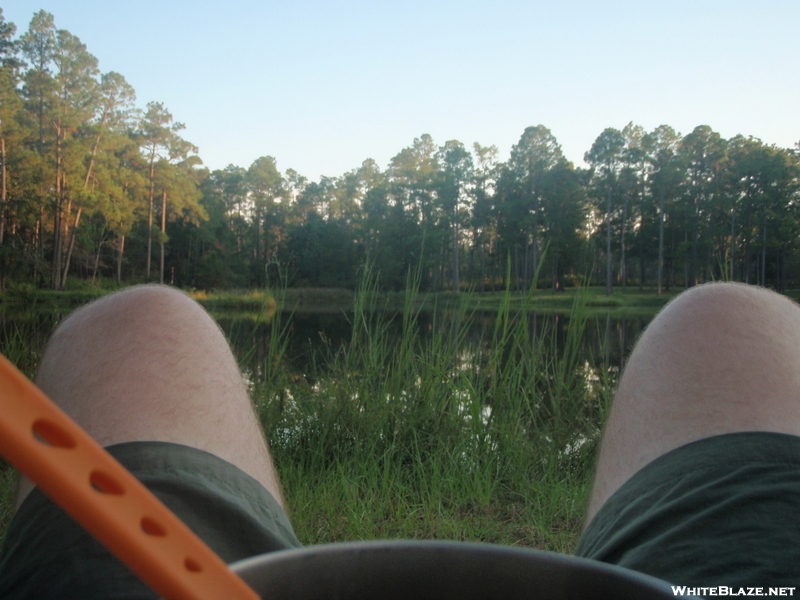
point(763, 254)
point(535, 272)
point(623, 265)
point(258, 260)
point(38, 276)
point(71, 244)
point(733, 246)
point(661, 241)
point(95, 146)
point(86, 181)
point(3, 188)
point(608, 242)
point(456, 278)
point(57, 217)
point(150, 216)
point(642, 209)
point(695, 235)
point(97, 254)
point(482, 260)
point(120, 251)
point(163, 235)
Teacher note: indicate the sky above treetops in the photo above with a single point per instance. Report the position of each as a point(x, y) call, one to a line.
point(323, 85)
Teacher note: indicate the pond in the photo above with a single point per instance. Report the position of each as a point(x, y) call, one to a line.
point(312, 338)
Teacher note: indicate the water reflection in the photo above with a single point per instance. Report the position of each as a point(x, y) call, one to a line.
point(312, 339)
point(307, 342)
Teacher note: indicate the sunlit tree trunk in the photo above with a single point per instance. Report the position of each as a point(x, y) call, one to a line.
point(3, 188)
point(120, 251)
point(68, 258)
point(733, 246)
point(100, 243)
point(150, 216)
point(608, 242)
point(163, 235)
point(661, 240)
point(86, 181)
point(57, 216)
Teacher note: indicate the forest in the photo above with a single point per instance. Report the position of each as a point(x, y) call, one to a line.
point(96, 190)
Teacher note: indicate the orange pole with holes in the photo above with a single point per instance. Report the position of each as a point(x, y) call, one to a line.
point(40, 440)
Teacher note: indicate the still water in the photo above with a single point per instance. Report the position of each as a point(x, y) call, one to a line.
point(312, 338)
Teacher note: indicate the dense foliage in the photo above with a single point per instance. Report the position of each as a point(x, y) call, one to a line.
point(94, 188)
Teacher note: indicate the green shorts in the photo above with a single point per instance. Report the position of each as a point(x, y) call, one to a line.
point(46, 554)
point(723, 511)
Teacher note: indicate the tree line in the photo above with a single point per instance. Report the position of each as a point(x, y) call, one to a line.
point(94, 188)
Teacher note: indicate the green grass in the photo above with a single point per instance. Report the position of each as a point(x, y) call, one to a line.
point(20, 342)
point(401, 434)
point(404, 435)
point(8, 487)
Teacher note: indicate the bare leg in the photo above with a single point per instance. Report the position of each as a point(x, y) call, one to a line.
point(149, 364)
point(720, 358)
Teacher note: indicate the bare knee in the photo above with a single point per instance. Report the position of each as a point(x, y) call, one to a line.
point(148, 363)
point(730, 350)
point(136, 311)
point(147, 350)
point(720, 358)
point(729, 310)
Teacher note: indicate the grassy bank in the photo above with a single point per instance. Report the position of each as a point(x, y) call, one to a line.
point(26, 297)
point(400, 435)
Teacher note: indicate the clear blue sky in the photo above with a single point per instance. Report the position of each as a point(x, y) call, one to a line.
point(323, 85)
